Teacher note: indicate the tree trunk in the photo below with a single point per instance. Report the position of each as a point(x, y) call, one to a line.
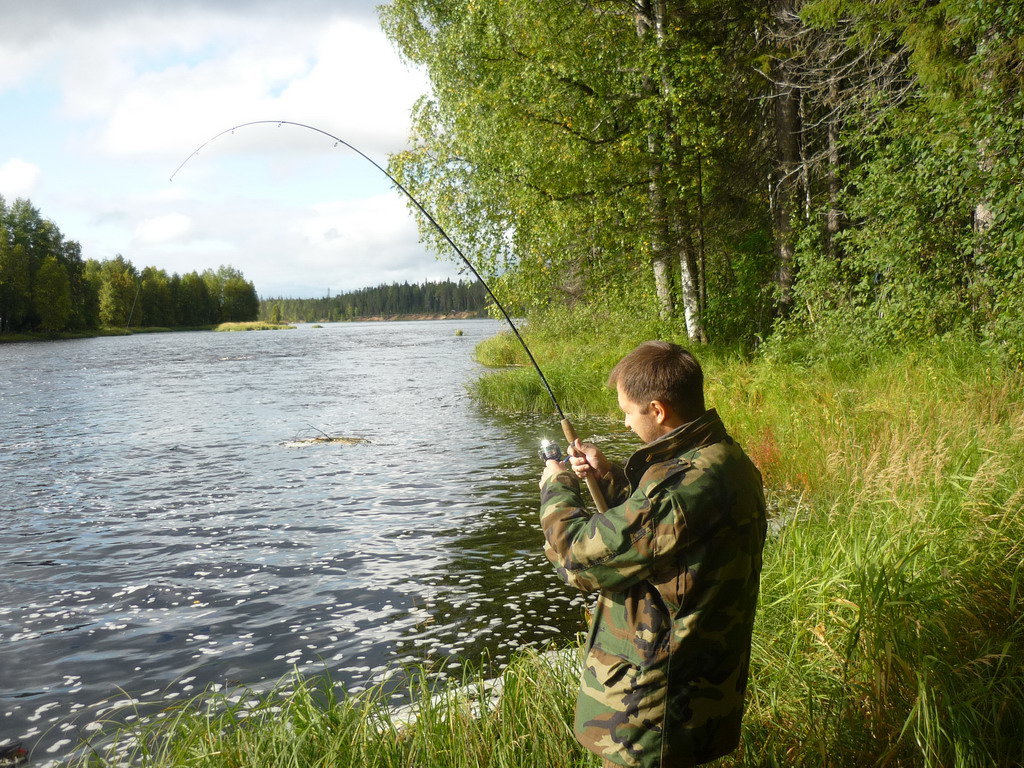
point(690, 289)
point(832, 217)
point(787, 166)
point(663, 286)
point(646, 19)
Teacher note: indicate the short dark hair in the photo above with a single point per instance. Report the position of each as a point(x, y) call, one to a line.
point(660, 370)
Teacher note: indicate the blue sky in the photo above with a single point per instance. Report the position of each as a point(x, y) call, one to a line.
point(100, 102)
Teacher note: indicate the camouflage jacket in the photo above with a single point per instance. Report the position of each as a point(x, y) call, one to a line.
point(677, 563)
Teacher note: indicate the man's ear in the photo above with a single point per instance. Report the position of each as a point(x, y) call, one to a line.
point(659, 411)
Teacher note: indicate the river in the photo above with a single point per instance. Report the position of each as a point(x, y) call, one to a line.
point(167, 528)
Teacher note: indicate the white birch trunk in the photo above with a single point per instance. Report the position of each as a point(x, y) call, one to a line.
point(691, 293)
point(663, 287)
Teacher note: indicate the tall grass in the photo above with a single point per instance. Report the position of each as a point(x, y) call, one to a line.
point(305, 724)
point(890, 629)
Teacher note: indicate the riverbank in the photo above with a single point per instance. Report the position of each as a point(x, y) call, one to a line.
point(889, 622)
point(254, 325)
point(306, 721)
point(96, 333)
point(411, 317)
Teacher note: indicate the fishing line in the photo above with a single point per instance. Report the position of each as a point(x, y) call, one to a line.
point(421, 209)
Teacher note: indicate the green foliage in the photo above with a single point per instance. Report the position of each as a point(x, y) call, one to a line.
point(539, 145)
point(52, 295)
point(567, 172)
point(934, 242)
point(45, 285)
point(119, 290)
point(32, 250)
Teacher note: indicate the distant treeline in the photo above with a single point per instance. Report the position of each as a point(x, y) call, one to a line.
point(45, 285)
point(426, 298)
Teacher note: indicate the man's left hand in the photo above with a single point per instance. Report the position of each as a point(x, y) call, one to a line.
point(551, 467)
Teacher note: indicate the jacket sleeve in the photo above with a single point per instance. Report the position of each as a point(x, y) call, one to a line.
point(608, 551)
point(615, 486)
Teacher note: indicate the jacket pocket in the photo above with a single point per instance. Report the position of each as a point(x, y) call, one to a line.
point(632, 625)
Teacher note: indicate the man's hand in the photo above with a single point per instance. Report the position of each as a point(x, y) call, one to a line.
point(551, 467)
point(587, 459)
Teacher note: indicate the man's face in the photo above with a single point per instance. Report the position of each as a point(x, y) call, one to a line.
point(645, 425)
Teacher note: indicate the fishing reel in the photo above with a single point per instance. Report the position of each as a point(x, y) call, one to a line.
point(550, 451)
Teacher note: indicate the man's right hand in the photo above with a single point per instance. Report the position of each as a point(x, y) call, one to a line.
point(586, 459)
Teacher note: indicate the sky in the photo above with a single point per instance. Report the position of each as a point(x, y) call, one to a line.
point(101, 101)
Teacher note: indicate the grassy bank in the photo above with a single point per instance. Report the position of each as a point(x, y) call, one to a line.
point(255, 325)
point(305, 724)
point(97, 332)
point(890, 626)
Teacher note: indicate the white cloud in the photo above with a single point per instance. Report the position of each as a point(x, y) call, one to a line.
point(338, 74)
point(166, 228)
point(121, 91)
point(18, 178)
point(151, 81)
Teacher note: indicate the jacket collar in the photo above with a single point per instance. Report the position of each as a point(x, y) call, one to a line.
point(702, 431)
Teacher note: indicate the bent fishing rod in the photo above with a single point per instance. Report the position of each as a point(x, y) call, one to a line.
point(567, 428)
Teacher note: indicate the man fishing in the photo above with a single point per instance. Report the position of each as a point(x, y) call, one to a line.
point(676, 562)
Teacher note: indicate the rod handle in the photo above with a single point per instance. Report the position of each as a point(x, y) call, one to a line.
point(592, 485)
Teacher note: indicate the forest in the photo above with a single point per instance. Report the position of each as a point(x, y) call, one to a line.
point(427, 298)
point(46, 286)
point(832, 169)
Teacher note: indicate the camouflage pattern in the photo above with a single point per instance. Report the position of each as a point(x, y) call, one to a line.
point(677, 563)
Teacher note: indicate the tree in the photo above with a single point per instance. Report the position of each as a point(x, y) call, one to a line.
point(155, 303)
point(195, 306)
point(240, 302)
point(119, 292)
point(51, 295)
point(578, 148)
point(15, 286)
point(85, 302)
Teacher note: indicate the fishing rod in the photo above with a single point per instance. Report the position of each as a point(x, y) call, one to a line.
point(567, 428)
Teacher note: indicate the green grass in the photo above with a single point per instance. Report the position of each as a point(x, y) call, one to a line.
point(890, 627)
point(304, 723)
point(255, 325)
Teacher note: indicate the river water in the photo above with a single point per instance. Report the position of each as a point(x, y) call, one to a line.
point(165, 527)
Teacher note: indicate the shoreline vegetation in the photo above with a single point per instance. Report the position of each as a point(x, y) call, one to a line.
point(253, 325)
point(888, 628)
